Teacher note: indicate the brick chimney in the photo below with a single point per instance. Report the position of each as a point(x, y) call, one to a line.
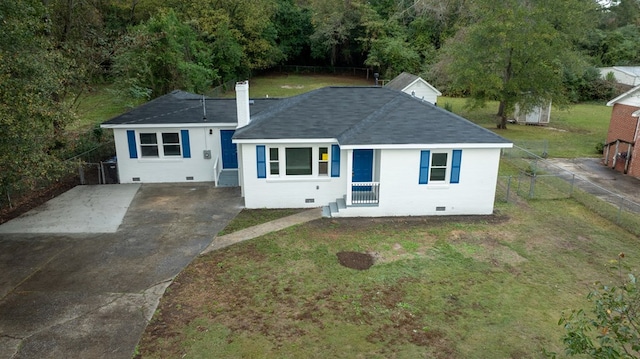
point(242, 103)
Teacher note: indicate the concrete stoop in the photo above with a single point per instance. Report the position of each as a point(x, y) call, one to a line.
point(333, 208)
point(228, 178)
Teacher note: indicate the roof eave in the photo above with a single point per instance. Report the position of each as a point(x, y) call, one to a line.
point(167, 125)
point(624, 95)
point(426, 145)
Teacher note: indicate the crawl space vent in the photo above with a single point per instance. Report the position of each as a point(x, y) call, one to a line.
point(309, 200)
point(136, 179)
point(189, 178)
point(441, 209)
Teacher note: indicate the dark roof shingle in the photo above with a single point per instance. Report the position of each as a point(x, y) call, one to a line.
point(364, 116)
point(180, 107)
point(351, 115)
point(401, 81)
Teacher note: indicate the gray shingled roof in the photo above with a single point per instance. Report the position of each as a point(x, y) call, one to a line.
point(363, 116)
point(401, 81)
point(182, 107)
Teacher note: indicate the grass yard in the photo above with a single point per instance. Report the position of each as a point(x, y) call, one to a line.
point(571, 133)
point(280, 86)
point(443, 287)
point(96, 106)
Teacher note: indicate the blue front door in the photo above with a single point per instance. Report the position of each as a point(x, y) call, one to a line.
point(362, 166)
point(229, 149)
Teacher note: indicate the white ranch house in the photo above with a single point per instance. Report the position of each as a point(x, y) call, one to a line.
point(356, 151)
point(415, 86)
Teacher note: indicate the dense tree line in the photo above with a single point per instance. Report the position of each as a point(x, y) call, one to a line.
point(514, 51)
point(153, 46)
point(157, 45)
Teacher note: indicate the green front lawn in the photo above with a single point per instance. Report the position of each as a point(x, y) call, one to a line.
point(443, 287)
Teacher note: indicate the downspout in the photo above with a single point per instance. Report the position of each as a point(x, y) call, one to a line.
point(636, 114)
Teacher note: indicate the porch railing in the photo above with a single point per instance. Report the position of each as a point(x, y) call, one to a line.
point(365, 192)
point(216, 171)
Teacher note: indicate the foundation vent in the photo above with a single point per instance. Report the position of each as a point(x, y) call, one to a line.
point(189, 178)
point(441, 209)
point(310, 200)
point(136, 179)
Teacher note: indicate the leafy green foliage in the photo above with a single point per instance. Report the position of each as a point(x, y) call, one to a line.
point(32, 78)
point(514, 53)
point(612, 329)
point(589, 86)
point(164, 54)
point(293, 26)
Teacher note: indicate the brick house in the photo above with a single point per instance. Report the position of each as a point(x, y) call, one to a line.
point(620, 151)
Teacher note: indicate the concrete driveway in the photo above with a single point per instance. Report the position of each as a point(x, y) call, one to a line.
point(592, 170)
point(90, 295)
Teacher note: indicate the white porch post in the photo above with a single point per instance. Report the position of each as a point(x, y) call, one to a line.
point(240, 169)
point(349, 175)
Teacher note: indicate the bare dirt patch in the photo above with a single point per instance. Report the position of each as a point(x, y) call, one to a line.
point(355, 260)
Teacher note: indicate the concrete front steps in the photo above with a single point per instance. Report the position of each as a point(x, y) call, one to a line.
point(333, 208)
point(228, 178)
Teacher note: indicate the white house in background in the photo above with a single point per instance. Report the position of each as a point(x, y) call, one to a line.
point(628, 75)
point(356, 151)
point(416, 86)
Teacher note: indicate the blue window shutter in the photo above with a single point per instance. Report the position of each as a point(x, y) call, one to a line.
point(335, 161)
point(424, 167)
point(133, 149)
point(186, 146)
point(455, 166)
point(262, 163)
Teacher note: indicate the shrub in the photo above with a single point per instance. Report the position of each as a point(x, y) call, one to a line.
point(612, 329)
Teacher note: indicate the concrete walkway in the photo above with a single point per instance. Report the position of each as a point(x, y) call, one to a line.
point(262, 229)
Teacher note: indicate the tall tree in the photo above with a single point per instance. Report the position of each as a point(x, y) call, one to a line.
point(293, 27)
point(32, 76)
point(337, 28)
point(164, 54)
point(386, 43)
point(247, 23)
point(516, 52)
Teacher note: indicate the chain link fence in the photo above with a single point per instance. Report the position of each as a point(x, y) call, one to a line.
point(539, 179)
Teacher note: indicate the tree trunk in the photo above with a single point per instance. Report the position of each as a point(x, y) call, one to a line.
point(502, 116)
point(502, 109)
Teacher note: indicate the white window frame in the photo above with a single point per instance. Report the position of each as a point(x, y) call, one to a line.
point(271, 161)
point(160, 145)
point(327, 162)
point(447, 167)
point(315, 161)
